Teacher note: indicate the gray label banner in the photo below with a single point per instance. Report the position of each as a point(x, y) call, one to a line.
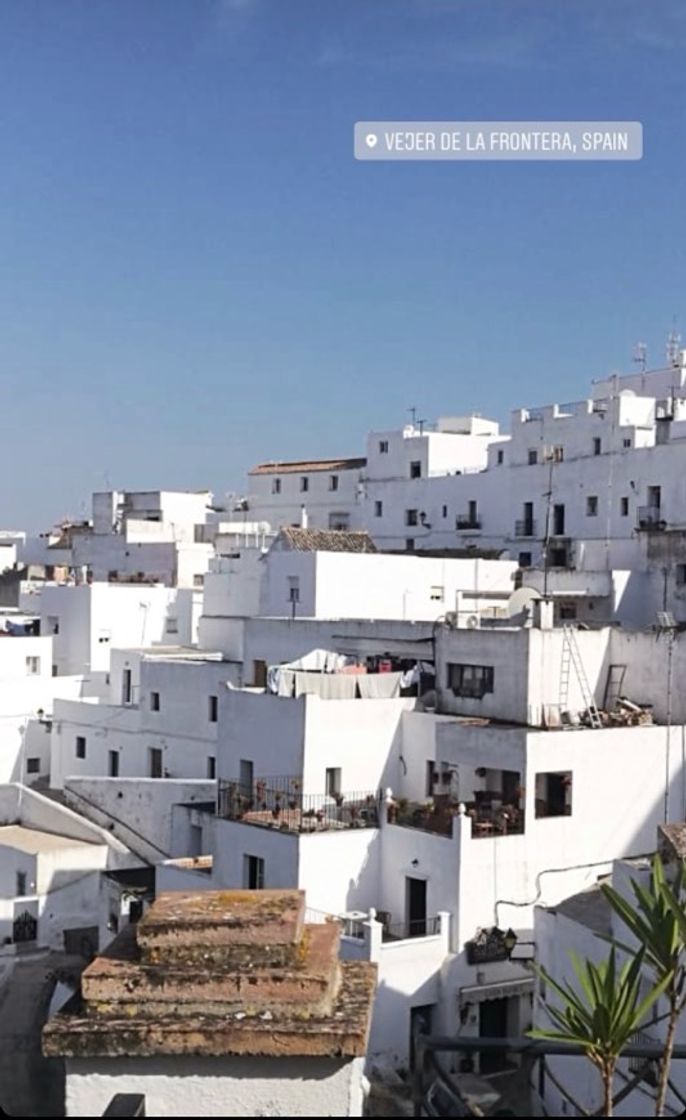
point(501, 140)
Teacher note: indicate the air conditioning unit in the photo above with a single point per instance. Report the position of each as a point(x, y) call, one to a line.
point(473, 622)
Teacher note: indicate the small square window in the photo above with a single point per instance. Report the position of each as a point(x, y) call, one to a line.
point(198, 580)
point(533, 456)
point(333, 482)
point(383, 447)
point(558, 454)
point(172, 626)
point(411, 517)
point(626, 442)
point(80, 746)
point(154, 701)
point(416, 469)
point(378, 509)
point(304, 485)
point(524, 560)
point(33, 766)
point(591, 506)
point(624, 507)
point(32, 666)
point(436, 594)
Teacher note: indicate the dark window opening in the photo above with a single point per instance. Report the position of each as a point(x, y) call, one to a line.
point(471, 681)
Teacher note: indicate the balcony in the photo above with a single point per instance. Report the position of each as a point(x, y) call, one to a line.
point(432, 816)
point(525, 528)
point(278, 803)
point(650, 518)
point(466, 521)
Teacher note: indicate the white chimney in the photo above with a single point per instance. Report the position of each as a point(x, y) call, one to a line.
point(303, 517)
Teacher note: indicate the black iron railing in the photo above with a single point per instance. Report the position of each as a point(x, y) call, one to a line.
point(465, 521)
point(427, 817)
point(525, 528)
point(650, 517)
point(285, 807)
point(418, 927)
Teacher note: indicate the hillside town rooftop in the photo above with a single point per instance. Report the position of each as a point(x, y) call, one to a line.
point(297, 466)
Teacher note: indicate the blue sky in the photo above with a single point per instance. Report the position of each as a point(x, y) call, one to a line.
point(196, 275)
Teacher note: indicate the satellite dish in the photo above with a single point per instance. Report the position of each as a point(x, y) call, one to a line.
point(520, 599)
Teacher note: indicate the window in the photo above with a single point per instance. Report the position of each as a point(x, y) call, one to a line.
point(172, 626)
point(429, 788)
point(80, 746)
point(445, 511)
point(383, 447)
point(567, 612)
point(591, 506)
point(126, 689)
point(472, 681)
point(501, 458)
point(304, 484)
point(211, 767)
point(293, 589)
point(339, 521)
point(524, 560)
point(415, 469)
point(113, 764)
point(246, 776)
point(53, 624)
point(681, 575)
point(626, 442)
point(32, 666)
point(597, 445)
point(253, 873)
point(154, 701)
point(436, 594)
point(276, 486)
point(624, 507)
point(333, 781)
point(558, 454)
point(21, 883)
point(259, 674)
point(378, 509)
point(33, 766)
point(213, 708)
point(554, 794)
point(409, 544)
point(411, 517)
point(154, 762)
point(333, 482)
point(533, 456)
point(198, 580)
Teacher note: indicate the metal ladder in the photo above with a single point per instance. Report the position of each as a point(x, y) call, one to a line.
point(571, 658)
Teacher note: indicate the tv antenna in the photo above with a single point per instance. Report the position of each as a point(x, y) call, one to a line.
point(640, 355)
point(413, 414)
point(673, 347)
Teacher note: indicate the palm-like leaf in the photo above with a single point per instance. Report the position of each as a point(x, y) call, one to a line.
point(607, 1009)
point(656, 919)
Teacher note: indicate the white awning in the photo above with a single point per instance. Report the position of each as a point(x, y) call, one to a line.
point(480, 993)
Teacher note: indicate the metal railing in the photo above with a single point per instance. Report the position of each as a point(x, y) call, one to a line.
point(287, 808)
point(465, 521)
point(525, 528)
point(425, 817)
point(650, 517)
point(418, 927)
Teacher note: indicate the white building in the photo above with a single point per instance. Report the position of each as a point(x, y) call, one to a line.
point(158, 718)
point(166, 1015)
point(329, 490)
point(156, 535)
point(52, 863)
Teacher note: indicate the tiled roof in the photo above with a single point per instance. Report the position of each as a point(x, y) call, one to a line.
point(298, 466)
point(326, 540)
